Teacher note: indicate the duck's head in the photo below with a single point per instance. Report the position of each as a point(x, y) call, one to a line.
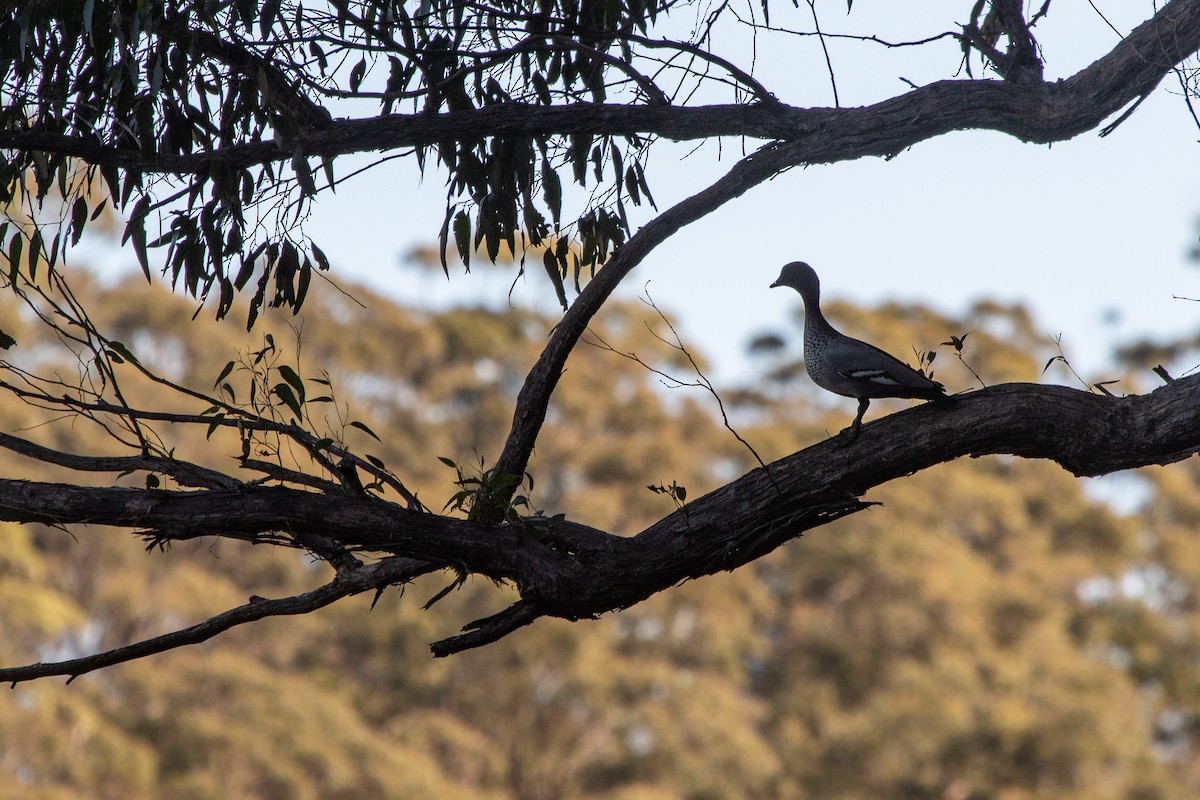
point(801, 277)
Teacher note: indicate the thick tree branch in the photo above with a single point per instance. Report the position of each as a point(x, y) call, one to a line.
point(568, 570)
point(1035, 112)
point(534, 398)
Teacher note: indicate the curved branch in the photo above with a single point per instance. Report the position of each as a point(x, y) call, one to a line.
point(534, 398)
point(376, 576)
point(564, 569)
point(489, 629)
point(184, 472)
point(1034, 112)
point(1087, 434)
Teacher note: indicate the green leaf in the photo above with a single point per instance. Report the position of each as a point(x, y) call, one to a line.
point(957, 341)
point(137, 233)
point(319, 54)
point(15, 246)
point(550, 262)
point(122, 351)
point(319, 255)
point(541, 88)
point(365, 429)
point(302, 283)
point(462, 236)
point(631, 186)
point(294, 379)
point(304, 176)
point(6, 341)
point(266, 17)
point(327, 166)
point(357, 74)
point(448, 462)
point(284, 392)
point(228, 368)
point(79, 213)
point(35, 252)
point(552, 191)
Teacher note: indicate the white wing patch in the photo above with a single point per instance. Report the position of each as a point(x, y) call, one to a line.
point(876, 376)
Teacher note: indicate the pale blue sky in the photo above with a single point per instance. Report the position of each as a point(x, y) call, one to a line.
point(1081, 231)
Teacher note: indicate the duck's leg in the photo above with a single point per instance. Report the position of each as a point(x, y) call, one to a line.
point(863, 402)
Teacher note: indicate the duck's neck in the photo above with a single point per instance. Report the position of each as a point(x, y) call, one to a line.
point(816, 329)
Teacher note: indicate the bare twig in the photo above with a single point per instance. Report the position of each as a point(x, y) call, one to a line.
point(365, 578)
point(701, 382)
point(812, 6)
point(488, 629)
point(184, 473)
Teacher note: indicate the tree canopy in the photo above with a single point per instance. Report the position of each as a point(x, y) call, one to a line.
point(992, 631)
point(212, 128)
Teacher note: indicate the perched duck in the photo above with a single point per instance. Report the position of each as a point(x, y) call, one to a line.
point(846, 366)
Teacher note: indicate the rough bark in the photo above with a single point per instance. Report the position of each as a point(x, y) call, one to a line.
point(1035, 112)
point(567, 570)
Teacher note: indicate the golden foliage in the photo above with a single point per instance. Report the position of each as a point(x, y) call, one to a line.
point(990, 632)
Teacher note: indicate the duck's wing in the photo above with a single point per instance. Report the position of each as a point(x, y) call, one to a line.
point(874, 373)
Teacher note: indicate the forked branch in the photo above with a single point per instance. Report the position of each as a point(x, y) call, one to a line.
point(564, 569)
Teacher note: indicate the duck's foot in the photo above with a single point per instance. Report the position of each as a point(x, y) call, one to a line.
point(851, 433)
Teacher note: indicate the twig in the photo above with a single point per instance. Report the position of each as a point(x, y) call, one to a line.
point(1063, 358)
point(487, 630)
point(702, 381)
point(185, 473)
point(812, 5)
point(385, 573)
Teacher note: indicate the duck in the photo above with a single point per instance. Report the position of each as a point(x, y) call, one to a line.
point(847, 366)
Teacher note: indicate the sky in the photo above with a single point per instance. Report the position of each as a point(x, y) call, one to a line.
point(1092, 234)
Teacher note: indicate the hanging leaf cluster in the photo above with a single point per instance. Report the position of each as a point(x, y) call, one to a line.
point(211, 127)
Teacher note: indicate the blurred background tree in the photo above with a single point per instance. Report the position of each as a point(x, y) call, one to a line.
point(993, 631)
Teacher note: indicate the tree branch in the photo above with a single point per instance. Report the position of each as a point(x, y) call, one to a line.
point(1044, 113)
point(364, 578)
point(1034, 112)
point(185, 473)
point(568, 570)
